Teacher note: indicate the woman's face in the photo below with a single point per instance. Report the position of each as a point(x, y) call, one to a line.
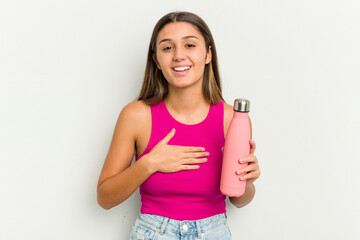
point(181, 54)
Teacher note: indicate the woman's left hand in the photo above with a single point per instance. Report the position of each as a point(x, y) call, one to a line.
point(252, 170)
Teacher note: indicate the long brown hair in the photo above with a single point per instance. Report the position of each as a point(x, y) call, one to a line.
point(155, 86)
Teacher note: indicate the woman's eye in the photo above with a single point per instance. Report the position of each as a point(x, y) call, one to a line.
point(166, 48)
point(190, 45)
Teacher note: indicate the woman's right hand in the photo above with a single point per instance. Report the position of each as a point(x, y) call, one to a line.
point(171, 158)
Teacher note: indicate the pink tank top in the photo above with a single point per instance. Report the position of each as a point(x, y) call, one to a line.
point(192, 194)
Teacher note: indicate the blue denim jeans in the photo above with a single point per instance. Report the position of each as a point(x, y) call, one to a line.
point(154, 227)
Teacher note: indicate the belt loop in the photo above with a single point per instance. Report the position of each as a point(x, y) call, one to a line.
point(164, 225)
point(199, 233)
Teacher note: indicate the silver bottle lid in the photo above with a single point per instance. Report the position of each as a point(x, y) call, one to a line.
point(241, 105)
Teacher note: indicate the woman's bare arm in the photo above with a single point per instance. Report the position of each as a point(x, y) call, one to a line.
point(118, 178)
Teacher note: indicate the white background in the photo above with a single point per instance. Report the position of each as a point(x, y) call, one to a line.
point(68, 67)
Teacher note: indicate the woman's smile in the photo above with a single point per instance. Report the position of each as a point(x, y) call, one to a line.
point(181, 70)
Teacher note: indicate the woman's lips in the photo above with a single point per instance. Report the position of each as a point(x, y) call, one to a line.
point(181, 70)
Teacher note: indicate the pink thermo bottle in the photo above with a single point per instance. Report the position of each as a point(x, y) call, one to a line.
point(237, 146)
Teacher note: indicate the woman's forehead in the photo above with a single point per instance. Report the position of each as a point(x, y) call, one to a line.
point(178, 30)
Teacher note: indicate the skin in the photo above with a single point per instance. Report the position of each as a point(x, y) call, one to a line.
point(178, 44)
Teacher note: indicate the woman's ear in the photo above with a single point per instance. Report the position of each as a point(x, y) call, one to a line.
point(208, 56)
point(155, 60)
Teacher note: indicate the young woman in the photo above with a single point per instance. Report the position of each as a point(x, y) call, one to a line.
point(177, 130)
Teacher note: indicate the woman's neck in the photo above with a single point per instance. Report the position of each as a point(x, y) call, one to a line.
point(186, 101)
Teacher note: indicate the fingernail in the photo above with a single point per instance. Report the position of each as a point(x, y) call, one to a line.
point(239, 171)
point(242, 178)
point(241, 160)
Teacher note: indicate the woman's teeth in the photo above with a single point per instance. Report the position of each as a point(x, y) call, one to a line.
point(181, 69)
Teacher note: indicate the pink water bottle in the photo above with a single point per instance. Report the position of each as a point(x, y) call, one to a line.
point(237, 146)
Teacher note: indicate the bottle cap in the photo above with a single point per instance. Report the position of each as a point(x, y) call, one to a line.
point(241, 105)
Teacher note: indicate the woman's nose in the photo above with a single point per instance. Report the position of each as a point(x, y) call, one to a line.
point(179, 54)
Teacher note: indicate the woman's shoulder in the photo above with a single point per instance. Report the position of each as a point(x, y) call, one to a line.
point(228, 111)
point(134, 114)
point(227, 107)
point(135, 111)
point(136, 106)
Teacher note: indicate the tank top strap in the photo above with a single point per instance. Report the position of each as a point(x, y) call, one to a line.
point(216, 118)
point(217, 112)
point(159, 126)
point(159, 117)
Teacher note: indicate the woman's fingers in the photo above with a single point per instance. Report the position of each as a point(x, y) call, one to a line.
point(191, 164)
point(248, 168)
point(173, 158)
point(248, 159)
point(189, 167)
point(186, 149)
point(196, 154)
point(251, 175)
point(192, 149)
point(193, 161)
point(168, 137)
point(252, 171)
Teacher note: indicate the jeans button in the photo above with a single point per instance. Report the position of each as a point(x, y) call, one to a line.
point(185, 227)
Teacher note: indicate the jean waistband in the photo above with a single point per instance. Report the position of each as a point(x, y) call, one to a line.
point(160, 223)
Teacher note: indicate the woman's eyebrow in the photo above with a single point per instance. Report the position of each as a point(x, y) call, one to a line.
point(169, 39)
